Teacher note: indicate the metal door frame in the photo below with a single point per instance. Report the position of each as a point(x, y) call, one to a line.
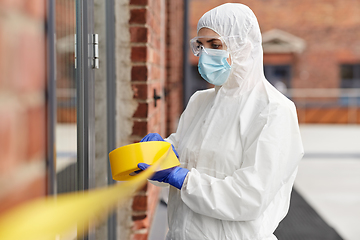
point(85, 93)
point(50, 97)
point(85, 96)
point(110, 100)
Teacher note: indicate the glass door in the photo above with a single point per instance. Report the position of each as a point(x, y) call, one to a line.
point(70, 97)
point(74, 90)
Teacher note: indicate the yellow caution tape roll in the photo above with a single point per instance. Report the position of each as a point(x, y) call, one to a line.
point(124, 160)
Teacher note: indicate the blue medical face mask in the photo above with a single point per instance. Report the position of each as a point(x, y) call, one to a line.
point(213, 66)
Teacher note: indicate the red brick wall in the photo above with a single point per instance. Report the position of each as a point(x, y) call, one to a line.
point(156, 28)
point(153, 25)
point(22, 101)
point(331, 29)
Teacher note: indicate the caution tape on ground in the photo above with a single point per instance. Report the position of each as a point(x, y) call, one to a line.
point(45, 218)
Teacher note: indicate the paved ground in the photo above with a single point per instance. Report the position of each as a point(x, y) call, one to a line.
point(303, 223)
point(329, 175)
point(326, 189)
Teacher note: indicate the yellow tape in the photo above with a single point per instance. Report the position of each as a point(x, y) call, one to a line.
point(45, 218)
point(124, 160)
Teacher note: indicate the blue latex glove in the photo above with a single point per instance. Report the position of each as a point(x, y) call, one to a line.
point(174, 176)
point(156, 137)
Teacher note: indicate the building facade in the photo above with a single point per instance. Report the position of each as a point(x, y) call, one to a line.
point(311, 50)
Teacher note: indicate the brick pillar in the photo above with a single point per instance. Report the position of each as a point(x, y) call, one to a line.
point(148, 68)
point(22, 102)
point(156, 28)
point(147, 36)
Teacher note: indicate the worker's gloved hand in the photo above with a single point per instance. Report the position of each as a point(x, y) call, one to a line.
point(152, 137)
point(156, 137)
point(174, 176)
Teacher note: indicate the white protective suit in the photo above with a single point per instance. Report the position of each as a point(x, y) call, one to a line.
point(241, 143)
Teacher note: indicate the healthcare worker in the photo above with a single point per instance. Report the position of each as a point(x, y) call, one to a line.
point(238, 143)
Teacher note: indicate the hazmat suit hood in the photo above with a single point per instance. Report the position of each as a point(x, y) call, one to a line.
point(241, 144)
point(238, 26)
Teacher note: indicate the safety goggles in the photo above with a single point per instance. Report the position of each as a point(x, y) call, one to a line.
point(201, 43)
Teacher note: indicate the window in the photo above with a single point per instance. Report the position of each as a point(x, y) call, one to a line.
point(350, 76)
point(279, 76)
